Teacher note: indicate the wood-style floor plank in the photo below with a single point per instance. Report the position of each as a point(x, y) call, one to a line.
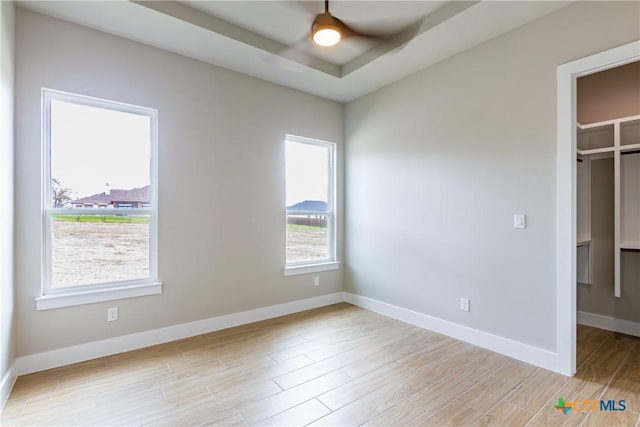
point(300, 415)
point(505, 414)
point(334, 366)
point(272, 405)
point(541, 387)
point(354, 414)
point(455, 413)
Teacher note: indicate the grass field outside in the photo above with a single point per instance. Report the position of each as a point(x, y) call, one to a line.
point(306, 227)
point(137, 219)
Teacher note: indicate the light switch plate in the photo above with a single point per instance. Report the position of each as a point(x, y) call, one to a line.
point(519, 221)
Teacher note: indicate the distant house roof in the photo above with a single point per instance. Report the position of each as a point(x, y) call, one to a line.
point(134, 195)
point(308, 205)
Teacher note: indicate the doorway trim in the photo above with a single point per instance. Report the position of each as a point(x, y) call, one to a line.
point(566, 214)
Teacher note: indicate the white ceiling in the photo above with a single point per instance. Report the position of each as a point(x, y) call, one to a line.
point(269, 39)
point(293, 19)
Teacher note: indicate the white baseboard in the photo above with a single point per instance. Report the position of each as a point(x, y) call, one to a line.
point(517, 350)
point(78, 353)
point(609, 323)
point(8, 380)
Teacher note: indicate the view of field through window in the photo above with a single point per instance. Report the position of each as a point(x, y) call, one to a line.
point(100, 160)
point(90, 249)
point(307, 197)
point(307, 238)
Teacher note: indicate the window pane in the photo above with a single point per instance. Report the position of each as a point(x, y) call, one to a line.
point(96, 151)
point(90, 249)
point(307, 174)
point(100, 158)
point(307, 238)
point(309, 201)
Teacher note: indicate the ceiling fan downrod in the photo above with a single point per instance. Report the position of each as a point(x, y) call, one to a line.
point(326, 30)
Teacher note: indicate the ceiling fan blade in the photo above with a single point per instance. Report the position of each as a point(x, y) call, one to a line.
point(347, 31)
point(350, 31)
point(310, 8)
point(298, 49)
point(297, 58)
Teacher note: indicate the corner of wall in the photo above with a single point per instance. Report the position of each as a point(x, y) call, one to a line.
point(518, 350)
point(6, 385)
point(7, 282)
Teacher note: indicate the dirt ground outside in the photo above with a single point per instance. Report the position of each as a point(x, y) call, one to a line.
point(89, 252)
point(93, 252)
point(306, 243)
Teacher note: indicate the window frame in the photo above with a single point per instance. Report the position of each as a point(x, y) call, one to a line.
point(104, 291)
point(331, 262)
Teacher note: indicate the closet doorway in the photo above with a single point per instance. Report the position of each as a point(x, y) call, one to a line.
point(567, 196)
point(608, 209)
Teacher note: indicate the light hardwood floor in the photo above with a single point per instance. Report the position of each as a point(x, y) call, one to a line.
point(339, 365)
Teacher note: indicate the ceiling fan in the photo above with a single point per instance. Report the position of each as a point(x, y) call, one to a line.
point(327, 30)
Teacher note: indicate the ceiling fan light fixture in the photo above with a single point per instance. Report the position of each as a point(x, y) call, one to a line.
point(326, 30)
point(326, 36)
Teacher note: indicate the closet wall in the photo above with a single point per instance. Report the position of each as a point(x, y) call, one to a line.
point(604, 96)
point(610, 94)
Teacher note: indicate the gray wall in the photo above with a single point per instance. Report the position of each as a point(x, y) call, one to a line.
point(438, 163)
point(221, 180)
point(7, 336)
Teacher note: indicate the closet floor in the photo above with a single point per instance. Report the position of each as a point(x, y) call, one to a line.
point(609, 369)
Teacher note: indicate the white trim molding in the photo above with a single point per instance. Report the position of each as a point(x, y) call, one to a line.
point(311, 268)
point(292, 268)
point(609, 323)
point(6, 385)
point(78, 353)
point(517, 350)
point(55, 296)
point(48, 302)
point(566, 223)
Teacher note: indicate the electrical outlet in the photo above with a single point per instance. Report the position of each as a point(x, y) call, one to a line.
point(464, 304)
point(316, 281)
point(112, 314)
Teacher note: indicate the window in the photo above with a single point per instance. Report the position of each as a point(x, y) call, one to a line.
point(99, 200)
point(310, 205)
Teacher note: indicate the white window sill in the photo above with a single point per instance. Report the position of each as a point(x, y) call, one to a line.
point(48, 302)
point(311, 268)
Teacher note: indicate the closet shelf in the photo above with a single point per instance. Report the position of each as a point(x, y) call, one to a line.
point(630, 245)
point(618, 139)
point(598, 150)
point(607, 122)
point(630, 147)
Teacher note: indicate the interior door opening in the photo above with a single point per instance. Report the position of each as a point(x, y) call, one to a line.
point(567, 173)
point(607, 207)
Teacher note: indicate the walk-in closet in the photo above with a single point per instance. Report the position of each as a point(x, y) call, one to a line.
point(608, 199)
